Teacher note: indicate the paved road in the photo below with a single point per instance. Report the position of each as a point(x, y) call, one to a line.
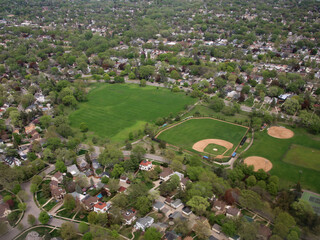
point(149, 156)
point(33, 209)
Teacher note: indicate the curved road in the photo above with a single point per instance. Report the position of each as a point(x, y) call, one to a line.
point(33, 209)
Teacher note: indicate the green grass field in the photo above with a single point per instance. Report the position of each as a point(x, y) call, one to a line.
point(303, 157)
point(276, 150)
point(113, 111)
point(210, 147)
point(194, 130)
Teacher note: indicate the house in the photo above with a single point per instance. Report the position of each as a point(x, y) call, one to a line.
point(145, 165)
point(161, 227)
point(57, 192)
point(158, 206)
point(101, 207)
point(129, 216)
point(183, 183)
point(88, 202)
point(171, 235)
point(264, 232)
point(176, 215)
point(143, 223)
point(73, 170)
point(176, 204)
point(82, 164)
point(4, 210)
point(233, 212)
point(123, 179)
point(57, 177)
point(216, 228)
point(28, 129)
point(186, 210)
point(122, 189)
point(218, 205)
point(213, 238)
point(168, 201)
point(165, 174)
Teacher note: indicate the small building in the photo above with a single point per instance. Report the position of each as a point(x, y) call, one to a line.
point(129, 216)
point(145, 165)
point(216, 228)
point(183, 183)
point(233, 212)
point(102, 207)
point(176, 204)
point(143, 223)
point(186, 210)
point(218, 205)
point(122, 189)
point(73, 170)
point(171, 235)
point(82, 163)
point(123, 179)
point(58, 177)
point(158, 206)
point(57, 192)
point(165, 174)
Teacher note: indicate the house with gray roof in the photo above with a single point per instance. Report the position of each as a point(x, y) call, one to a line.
point(158, 206)
point(144, 223)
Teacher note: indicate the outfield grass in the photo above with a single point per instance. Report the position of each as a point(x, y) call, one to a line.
point(113, 111)
point(189, 132)
point(276, 149)
point(210, 147)
point(303, 157)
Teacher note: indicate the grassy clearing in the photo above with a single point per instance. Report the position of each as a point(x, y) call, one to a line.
point(194, 130)
point(41, 199)
point(50, 205)
point(276, 149)
point(219, 149)
point(113, 111)
point(303, 156)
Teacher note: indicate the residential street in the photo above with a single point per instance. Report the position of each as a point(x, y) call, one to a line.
point(33, 209)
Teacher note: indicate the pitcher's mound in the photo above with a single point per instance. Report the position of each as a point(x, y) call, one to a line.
point(258, 163)
point(280, 132)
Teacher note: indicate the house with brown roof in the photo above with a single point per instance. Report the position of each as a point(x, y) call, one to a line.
point(183, 183)
point(129, 216)
point(102, 207)
point(264, 233)
point(58, 177)
point(88, 202)
point(218, 205)
point(165, 174)
point(233, 212)
point(57, 192)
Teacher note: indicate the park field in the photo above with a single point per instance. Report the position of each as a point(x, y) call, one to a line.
point(113, 110)
point(191, 131)
point(303, 157)
point(289, 157)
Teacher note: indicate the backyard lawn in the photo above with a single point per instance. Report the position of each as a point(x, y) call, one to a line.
point(113, 111)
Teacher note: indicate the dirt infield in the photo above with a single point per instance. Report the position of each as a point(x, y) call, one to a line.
point(258, 163)
point(201, 145)
point(280, 132)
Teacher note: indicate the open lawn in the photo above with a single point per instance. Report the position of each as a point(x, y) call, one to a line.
point(303, 157)
point(276, 150)
point(189, 132)
point(215, 149)
point(113, 111)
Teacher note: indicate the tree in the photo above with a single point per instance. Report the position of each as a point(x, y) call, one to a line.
point(283, 223)
point(32, 219)
point(143, 205)
point(291, 106)
point(60, 166)
point(22, 206)
point(117, 171)
point(251, 181)
point(152, 234)
point(23, 195)
point(198, 204)
point(84, 127)
point(248, 231)
point(229, 228)
point(43, 217)
point(110, 156)
point(87, 236)
point(217, 104)
point(69, 202)
point(202, 229)
point(68, 231)
point(33, 188)
point(83, 227)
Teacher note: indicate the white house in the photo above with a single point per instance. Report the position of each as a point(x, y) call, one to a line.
point(145, 165)
point(143, 223)
point(101, 207)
